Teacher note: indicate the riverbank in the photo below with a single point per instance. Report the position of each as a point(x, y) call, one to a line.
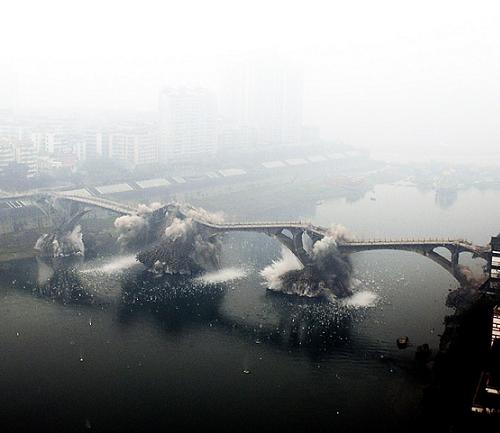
point(99, 237)
point(463, 353)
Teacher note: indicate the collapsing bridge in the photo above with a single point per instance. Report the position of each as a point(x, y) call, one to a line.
point(292, 236)
point(297, 236)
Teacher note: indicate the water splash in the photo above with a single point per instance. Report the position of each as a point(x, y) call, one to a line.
point(222, 276)
point(116, 265)
point(273, 273)
point(362, 299)
point(184, 246)
point(328, 272)
point(61, 244)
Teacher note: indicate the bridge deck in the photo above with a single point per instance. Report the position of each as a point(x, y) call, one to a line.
point(270, 226)
point(437, 241)
point(266, 226)
point(354, 243)
point(102, 203)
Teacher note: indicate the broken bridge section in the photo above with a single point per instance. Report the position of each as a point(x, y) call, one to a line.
point(66, 238)
point(289, 233)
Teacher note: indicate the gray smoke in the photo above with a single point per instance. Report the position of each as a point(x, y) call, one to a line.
point(69, 243)
point(327, 274)
point(183, 244)
point(133, 229)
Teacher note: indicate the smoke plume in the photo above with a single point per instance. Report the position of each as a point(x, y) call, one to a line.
point(184, 244)
point(327, 273)
point(66, 244)
point(133, 229)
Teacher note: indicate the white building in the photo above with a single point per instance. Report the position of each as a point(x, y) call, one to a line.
point(187, 125)
point(137, 146)
point(7, 154)
point(93, 145)
point(52, 143)
point(21, 152)
point(54, 135)
point(13, 131)
point(27, 155)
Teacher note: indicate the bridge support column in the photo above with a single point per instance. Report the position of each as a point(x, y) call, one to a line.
point(294, 243)
point(298, 246)
point(454, 259)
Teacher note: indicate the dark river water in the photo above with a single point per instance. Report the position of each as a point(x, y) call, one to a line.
point(101, 345)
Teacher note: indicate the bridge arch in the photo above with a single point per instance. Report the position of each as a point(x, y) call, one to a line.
point(426, 249)
point(290, 234)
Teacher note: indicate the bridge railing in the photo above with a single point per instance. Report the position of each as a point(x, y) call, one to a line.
point(408, 241)
point(257, 223)
point(125, 208)
point(99, 202)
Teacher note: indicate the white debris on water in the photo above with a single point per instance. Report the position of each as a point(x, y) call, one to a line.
point(222, 276)
point(116, 265)
point(361, 300)
point(274, 272)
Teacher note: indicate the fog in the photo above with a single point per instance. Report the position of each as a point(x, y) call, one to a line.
point(388, 76)
point(228, 216)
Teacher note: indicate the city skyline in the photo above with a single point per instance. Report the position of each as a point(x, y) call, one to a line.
point(383, 76)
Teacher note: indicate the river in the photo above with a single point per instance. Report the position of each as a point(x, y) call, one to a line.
point(101, 345)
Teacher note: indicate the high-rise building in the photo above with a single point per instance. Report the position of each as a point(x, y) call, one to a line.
point(7, 154)
point(51, 142)
point(93, 145)
point(55, 135)
point(26, 154)
point(265, 96)
point(12, 130)
point(135, 146)
point(494, 264)
point(21, 152)
point(187, 124)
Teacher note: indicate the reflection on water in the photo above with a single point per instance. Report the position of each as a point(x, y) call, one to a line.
point(178, 304)
point(172, 302)
point(194, 320)
point(316, 327)
point(120, 349)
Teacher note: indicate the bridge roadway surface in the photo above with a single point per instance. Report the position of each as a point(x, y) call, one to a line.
point(100, 202)
point(274, 227)
point(353, 245)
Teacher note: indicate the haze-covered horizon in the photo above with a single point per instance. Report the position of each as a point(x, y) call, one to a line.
point(391, 77)
point(260, 216)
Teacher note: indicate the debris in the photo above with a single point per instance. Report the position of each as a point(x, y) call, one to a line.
point(403, 342)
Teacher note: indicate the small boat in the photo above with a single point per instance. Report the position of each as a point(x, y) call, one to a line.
point(402, 342)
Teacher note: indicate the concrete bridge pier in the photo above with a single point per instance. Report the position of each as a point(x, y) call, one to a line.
point(455, 254)
point(65, 211)
point(294, 242)
point(452, 266)
point(298, 246)
point(65, 239)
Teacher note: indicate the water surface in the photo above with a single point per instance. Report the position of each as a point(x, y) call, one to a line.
point(102, 345)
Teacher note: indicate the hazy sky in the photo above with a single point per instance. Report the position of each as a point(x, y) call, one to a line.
point(379, 74)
